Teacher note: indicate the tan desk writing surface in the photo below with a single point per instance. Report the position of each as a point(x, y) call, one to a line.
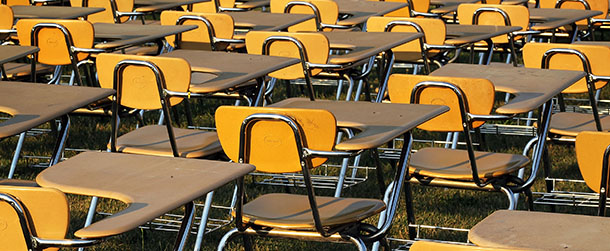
point(256, 20)
point(159, 5)
point(377, 123)
point(361, 10)
point(365, 44)
point(541, 231)
point(531, 87)
point(252, 4)
point(10, 53)
point(125, 35)
point(31, 104)
point(546, 19)
point(52, 12)
point(151, 185)
point(217, 71)
point(458, 34)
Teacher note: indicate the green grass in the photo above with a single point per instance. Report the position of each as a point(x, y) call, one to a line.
point(433, 206)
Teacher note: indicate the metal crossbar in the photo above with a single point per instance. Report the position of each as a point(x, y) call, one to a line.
point(326, 179)
point(567, 198)
point(404, 245)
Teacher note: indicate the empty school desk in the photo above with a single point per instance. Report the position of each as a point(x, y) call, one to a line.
point(265, 21)
point(10, 53)
point(120, 36)
point(52, 12)
point(358, 11)
point(150, 185)
point(217, 71)
point(362, 46)
point(31, 104)
point(532, 89)
point(549, 19)
point(376, 124)
point(541, 231)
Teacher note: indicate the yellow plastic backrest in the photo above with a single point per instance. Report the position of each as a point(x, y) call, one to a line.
point(316, 48)
point(18, 2)
point(437, 246)
point(48, 209)
point(272, 146)
point(139, 84)
point(6, 19)
point(199, 38)
point(479, 95)
point(329, 12)
point(434, 30)
point(598, 57)
point(600, 5)
point(52, 42)
point(590, 147)
point(519, 16)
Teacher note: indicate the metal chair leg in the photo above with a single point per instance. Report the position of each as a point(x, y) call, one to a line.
point(511, 197)
point(358, 242)
point(227, 237)
point(185, 227)
point(16, 155)
point(204, 220)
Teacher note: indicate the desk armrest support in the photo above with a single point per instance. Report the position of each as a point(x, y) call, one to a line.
point(45, 243)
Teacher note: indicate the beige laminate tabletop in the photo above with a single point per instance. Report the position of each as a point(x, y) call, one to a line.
point(10, 53)
point(52, 12)
point(217, 71)
point(159, 5)
point(531, 87)
point(363, 45)
point(541, 231)
point(377, 123)
point(31, 104)
point(256, 20)
point(360, 10)
point(546, 19)
point(150, 185)
point(459, 34)
point(125, 35)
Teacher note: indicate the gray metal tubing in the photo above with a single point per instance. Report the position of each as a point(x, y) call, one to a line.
point(367, 68)
point(69, 43)
point(313, 7)
point(384, 85)
point(60, 142)
point(185, 227)
point(339, 188)
point(526, 149)
point(382, 217)
point(511, 198)
point(226, 237)
point(454, 141)
point(350, 87)
point(358, 242)
point(208, 24)
point(16, 155)
point(203, 222)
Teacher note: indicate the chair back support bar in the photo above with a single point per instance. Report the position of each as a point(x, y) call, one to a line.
point(599, 5)
point(494, 14)
point(326, 13)
point(210, 27)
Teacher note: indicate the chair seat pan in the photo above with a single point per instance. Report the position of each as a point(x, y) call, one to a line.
point(571, 123)
point(153, 140)
point(14, 70)
point(454, 164)
point(293, 211)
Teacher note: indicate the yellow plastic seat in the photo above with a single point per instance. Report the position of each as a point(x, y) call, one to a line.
point(470, 102)
point(139, 89)
point(592, 154)
point(499, 15)
point(273, 139)
point(214, 31)
point(314, 53)
point(16, 2)
point(567, 57)
point(45, 212)
point(6, 22)
point(58, 46)
point(326, 14)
